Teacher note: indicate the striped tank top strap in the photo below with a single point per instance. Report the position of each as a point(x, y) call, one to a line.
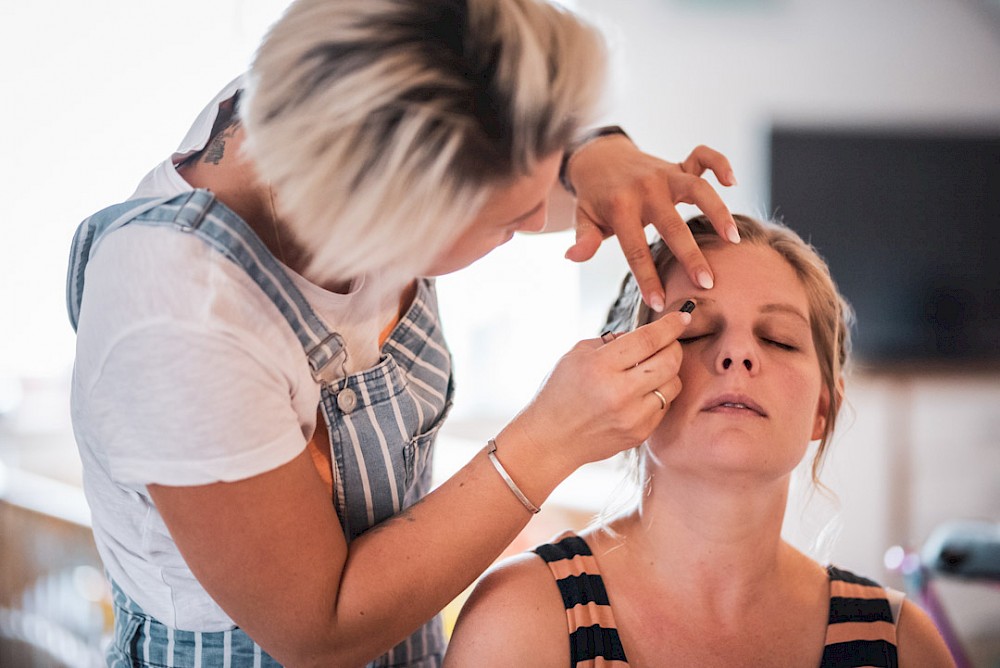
point(593, 633)
point(860, 630)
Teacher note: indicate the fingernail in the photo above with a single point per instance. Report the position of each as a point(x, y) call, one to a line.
point(705, 280)
point(733, 234)
point(731, 178)
point(685, 317)
point(656, 303)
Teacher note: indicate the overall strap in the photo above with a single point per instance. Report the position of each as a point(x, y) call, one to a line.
point(89, 231)
point(199, 212)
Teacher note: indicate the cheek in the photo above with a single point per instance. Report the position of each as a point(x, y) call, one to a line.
point(465, 250)
point(803, 394)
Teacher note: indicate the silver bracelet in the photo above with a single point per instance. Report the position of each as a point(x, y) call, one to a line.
point(491, 453)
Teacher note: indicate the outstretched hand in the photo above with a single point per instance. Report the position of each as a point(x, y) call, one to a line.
point(620, 190)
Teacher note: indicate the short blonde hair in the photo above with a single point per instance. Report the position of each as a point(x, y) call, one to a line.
point(383, 124)
point(830, 316)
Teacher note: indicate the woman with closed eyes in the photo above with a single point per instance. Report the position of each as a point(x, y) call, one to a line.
point(697, 573)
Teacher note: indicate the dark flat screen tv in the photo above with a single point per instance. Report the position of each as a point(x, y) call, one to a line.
point(909, 222)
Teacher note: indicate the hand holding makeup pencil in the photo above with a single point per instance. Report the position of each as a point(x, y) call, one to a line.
point(604, 396)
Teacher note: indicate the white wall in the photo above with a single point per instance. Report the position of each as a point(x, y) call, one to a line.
point(720, 72)
point(92, 95)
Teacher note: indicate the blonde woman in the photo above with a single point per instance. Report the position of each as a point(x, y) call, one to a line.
point(261, 372)
point(697, 574)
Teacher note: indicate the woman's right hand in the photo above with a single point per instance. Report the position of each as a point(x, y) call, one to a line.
point(597, 401)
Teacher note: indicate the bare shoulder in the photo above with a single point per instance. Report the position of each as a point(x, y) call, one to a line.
point(514, 617)
point(918, 641)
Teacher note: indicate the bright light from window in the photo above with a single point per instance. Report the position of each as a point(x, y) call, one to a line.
point(95, 94)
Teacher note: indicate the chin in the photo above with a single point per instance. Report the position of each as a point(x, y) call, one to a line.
point(445, 267)
point(732, 452)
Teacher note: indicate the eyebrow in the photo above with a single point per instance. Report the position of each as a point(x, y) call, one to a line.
point(777, 307)
point(675, 305)
point(784, 308)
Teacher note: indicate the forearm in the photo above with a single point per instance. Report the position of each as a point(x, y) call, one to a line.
point(404, 571)
point(426, 556)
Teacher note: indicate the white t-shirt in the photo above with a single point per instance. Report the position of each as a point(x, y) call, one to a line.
point(187, 374)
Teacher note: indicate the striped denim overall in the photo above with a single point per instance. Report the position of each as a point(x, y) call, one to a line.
point(382, 423)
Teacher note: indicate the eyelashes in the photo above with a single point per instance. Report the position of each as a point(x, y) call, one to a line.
point(780, 345)
point(768, 341)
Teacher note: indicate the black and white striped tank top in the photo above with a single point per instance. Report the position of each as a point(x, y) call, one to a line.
point(861, 630)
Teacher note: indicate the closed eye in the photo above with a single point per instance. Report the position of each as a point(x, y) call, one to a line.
point(691, 339)
point(780, 345)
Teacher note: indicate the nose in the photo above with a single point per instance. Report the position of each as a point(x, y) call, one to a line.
point(737, 355)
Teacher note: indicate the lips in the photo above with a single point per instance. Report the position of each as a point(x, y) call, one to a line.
point(734, 402)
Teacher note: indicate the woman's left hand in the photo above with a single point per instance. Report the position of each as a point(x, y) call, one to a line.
point(620, 190)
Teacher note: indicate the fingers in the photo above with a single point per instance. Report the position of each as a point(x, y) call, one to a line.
point(626, 221)
point(600, 400)
point(647, 342)
point(620, 190)
point(703, 158)
point(691, 189)
point(687, 185)
point(660, 209)
point(666, 393)
point(697, 191)
point(656, 372)
point(588, 239)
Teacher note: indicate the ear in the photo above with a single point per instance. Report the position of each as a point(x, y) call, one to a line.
point(823, 408)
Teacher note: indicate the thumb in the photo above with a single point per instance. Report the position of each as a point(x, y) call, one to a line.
point(588, 240)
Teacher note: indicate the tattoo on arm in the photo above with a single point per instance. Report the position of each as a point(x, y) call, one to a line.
point(402, 516)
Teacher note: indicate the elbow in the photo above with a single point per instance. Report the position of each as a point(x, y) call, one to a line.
point(327, 647)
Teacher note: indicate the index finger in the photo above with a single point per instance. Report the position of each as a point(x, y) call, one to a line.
point(702, 195)
point(635, 248)
point(678, 237)
point(703, 158)
point(643, 342)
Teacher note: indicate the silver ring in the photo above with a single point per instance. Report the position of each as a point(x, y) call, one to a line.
point(663, 399)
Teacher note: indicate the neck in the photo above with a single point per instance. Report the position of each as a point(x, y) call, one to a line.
point(223, 168)
point(717, 541)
